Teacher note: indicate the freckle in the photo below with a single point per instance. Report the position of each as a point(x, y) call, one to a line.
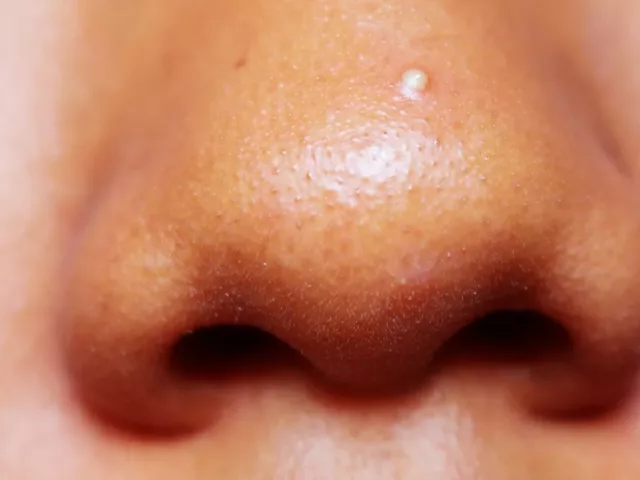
point(240, 63)
point(414, 82)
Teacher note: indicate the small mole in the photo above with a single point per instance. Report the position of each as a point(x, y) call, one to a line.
point(241, 62)
point(414, 82)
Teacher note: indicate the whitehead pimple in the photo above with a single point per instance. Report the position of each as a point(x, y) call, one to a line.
point(413, 83)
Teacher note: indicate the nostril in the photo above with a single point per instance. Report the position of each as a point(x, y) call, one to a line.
point(511, 336)
point(235, 353)
point(553, 380)
point(229, 350)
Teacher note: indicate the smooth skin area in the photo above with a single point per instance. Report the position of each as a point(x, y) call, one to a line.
point(448, 274)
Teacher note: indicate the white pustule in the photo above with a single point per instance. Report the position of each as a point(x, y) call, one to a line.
point(413, 83)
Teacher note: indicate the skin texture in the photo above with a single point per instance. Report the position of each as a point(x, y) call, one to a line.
point(171, 166)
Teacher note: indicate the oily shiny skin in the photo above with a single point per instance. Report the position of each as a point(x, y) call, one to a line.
point(174, 166)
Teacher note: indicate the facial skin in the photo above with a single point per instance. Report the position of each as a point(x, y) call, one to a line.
point(448, 279)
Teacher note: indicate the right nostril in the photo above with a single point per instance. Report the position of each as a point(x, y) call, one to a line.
point(225, 350)
point(554, 382)
point(511, 336)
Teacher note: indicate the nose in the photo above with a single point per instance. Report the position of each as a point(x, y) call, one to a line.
point(362, 227)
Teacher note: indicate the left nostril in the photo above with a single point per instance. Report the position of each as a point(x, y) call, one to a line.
point(229, 351)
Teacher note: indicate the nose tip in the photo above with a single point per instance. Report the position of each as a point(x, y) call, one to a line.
point(364, 247)
point(358, 284)
point(367, 292)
